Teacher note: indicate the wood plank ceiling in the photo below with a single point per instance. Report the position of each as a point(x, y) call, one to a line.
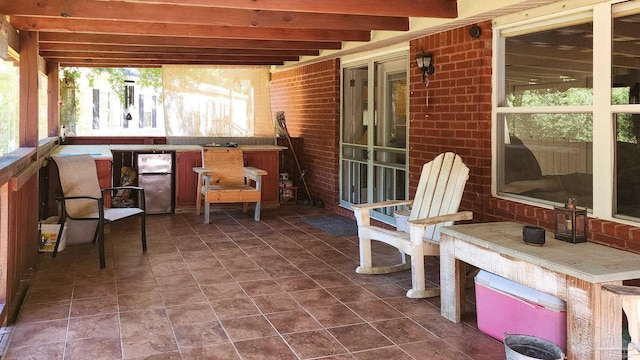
point(149, 33)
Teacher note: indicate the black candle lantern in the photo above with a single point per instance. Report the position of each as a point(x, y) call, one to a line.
point(570, 224)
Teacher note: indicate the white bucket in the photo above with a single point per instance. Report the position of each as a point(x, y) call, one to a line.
point(527, 347)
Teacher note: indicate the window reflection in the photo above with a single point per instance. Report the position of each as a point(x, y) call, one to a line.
point(550, 68)
point(625, 80)
point(549, 157)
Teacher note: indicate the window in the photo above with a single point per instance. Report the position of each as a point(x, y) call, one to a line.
point(112, 102)
point(552, 109)
point(625, 97)
point(9, 105)
point(217, 101)
point(43, 104)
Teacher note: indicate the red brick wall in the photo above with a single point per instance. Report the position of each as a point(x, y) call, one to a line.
point(452, 111)
point(310, 97)
point(456, 117)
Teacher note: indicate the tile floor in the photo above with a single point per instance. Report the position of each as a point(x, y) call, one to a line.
point(233, 289)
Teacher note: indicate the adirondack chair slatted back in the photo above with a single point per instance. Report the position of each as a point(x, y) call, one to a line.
point(439, 190)
point(226, 165)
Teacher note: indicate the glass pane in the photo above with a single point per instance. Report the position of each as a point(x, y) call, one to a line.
point(548, 157)
point(43, 102)
point(354, 182)
point(550, 67)
point(112, 102)
point(391, 104)
point(9, 105)
point(627, 165)
point(389, 185)
point(625, 71)
point(356, 108)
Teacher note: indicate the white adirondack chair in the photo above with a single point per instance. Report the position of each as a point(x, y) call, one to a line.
point(435, 204)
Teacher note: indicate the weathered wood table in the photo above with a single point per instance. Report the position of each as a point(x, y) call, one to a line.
point(574, 273)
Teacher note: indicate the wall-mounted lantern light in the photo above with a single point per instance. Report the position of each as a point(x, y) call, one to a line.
point(425, 64)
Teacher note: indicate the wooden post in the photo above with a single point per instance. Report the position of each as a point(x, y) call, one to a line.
point(28, 127)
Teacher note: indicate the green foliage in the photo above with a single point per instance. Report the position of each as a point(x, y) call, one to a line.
point(115, 77)
point(151, 77)
point(556, 126)
point(569, 127)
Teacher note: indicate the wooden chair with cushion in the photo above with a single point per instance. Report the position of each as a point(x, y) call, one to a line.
point(84, 200)
point(435, 204)
point(227, 180)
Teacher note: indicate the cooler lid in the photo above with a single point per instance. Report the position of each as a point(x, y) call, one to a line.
point(513, 288)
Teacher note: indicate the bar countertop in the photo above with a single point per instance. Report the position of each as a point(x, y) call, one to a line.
point(104, 151)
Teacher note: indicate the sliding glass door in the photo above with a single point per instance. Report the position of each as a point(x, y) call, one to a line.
point(374, 133)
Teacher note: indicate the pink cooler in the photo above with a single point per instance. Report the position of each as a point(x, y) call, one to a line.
point(504, 306)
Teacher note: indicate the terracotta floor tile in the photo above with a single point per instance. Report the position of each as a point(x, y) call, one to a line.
point(334, 315)
point(272, 303)
point(374, 310)
point(94, 326)
point(224, 351)
point(293, 321)
point(233, 308)
point(51, 351)
point(38, 333)
point(249, 327)
point(297, 283)
point(139, 301)
point(200, 334)
point(436, 349)
point(191, 313)
point(182, 295)
point(312, 344)
point(359, 337)
point(391, 352)
point(270, 348)
point(49, 294)
point(274, 289)
point(94, 348)
point(261, 287)
point(351, 293)
point(43, 312)
point(403, 330)
point(315, 297)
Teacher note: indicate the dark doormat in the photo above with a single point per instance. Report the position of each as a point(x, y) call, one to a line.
point(334, 225)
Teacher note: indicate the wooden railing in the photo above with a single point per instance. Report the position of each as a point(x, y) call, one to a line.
point(19, 201)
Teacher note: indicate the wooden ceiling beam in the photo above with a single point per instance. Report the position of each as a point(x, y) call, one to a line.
point(166, 56)
point(185, 30)
point(409, 8)
point(198, 15)
point(138, 49)
point(148, 63)
point(87, 38)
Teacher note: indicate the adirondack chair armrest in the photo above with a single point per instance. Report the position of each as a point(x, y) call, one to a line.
point(381, 204)
point(254, 174)
point(459, 216)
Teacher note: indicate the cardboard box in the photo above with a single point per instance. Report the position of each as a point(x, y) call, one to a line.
point(49, 235)
point(504, 306)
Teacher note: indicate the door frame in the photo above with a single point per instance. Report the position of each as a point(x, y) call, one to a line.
point(370, 62)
